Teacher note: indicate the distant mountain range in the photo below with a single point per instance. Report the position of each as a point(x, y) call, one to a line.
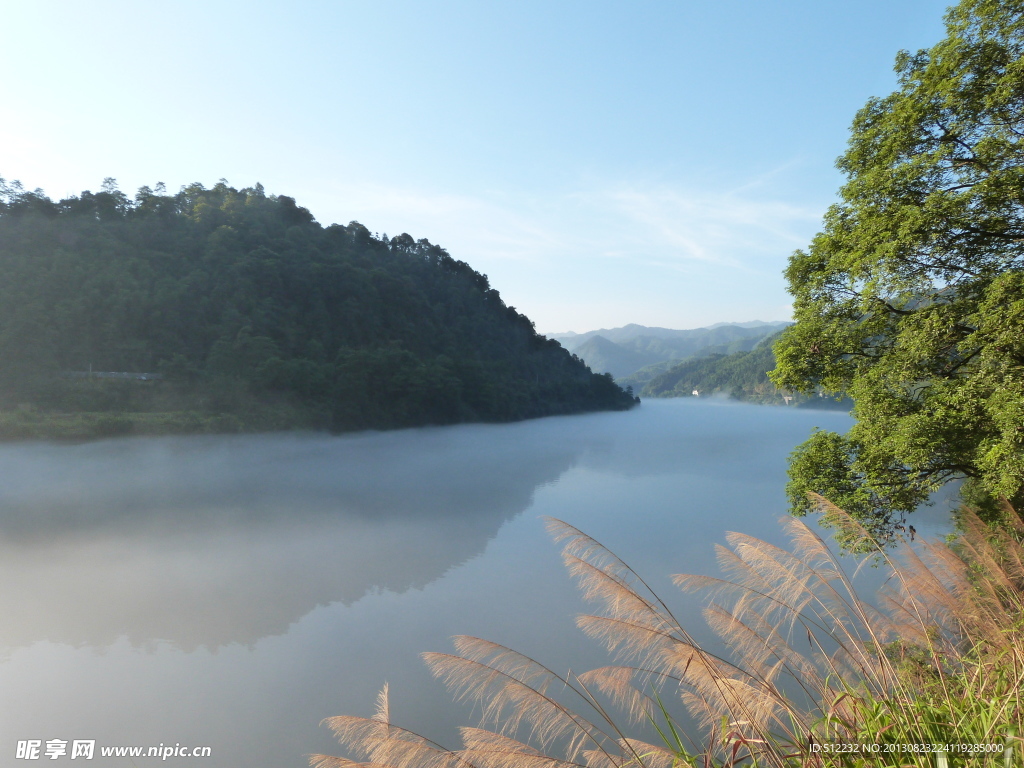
point(741, 375)
point(630, 350)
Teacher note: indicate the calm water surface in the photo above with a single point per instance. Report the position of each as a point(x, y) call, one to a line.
point(234, 591)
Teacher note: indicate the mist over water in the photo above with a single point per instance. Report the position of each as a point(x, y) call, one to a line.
point(234, 591)
point(209, 541)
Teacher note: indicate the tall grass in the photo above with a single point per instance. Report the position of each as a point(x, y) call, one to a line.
point(937, 659)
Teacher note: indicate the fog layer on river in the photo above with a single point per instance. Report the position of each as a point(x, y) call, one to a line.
point(234, 591)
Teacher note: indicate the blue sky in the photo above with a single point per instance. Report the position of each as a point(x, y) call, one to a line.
point(603, 162)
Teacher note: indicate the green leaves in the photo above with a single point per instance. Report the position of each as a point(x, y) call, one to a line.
point(910, 299)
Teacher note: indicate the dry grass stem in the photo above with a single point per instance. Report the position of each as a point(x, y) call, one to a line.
point(937, 657)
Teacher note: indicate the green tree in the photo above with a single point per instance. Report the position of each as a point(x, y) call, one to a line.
point(911, 299)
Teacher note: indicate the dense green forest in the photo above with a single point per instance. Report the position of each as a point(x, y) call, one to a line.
point(248, 314)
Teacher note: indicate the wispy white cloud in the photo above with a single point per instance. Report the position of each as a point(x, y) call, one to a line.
point(658, 224)
point(613, 252)
point(728, 229)
point(470, 227)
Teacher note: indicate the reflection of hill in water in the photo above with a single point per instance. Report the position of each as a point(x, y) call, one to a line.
point(207, 541)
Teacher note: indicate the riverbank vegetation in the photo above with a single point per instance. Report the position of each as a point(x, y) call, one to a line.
point(929, 673)
point(229, 308)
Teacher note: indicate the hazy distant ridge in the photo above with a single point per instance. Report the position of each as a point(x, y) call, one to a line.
point(626, 350)
point(571, 339)
point(741, 375)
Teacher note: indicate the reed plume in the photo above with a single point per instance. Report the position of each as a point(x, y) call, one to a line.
point(938, 658)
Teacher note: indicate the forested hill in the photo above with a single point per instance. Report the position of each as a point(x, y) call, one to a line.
point(741, 375)
point(253, 315)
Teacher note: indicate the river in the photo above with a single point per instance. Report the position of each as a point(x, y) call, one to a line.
point(233, 591)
